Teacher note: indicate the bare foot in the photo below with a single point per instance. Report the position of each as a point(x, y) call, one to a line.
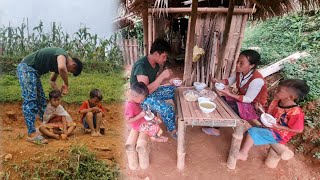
point(94, 134)
point(242, 156)
point(56, 136)
point(98, 133)
point(159, 139)
point(64, 136)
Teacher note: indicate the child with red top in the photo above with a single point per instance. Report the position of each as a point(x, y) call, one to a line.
point(290, 117)
point(92, 112)
point(135, 115)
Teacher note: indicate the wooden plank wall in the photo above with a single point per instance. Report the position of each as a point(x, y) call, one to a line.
point(129, 48)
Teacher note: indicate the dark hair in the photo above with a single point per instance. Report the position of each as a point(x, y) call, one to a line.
point(160, 46)
point(299, 86)
point(140, 88)
point(253, 57)
point(79, 66)
point(96, 93)
point(54, 94)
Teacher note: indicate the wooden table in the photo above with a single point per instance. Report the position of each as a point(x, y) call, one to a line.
point(189, 113)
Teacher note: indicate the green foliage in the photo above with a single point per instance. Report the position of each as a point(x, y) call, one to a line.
point(80, 163)
point(281, 36)
point(20, 41)
point(306, 69)
point(110, 84)
point(135, 31)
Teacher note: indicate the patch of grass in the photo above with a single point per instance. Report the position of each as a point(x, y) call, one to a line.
point(79, 163)
point(111, 86)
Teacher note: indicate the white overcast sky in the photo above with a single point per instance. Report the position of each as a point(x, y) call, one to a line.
point(71, 14)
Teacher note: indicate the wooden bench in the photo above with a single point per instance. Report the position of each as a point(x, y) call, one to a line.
point(137, 149)
point(189, 113)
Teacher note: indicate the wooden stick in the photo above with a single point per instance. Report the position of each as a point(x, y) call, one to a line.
point(237, 137)
point(181, 147)
point(225, 39)
point(143, 150)
point(243, 27)
point(190, 44)
point(204, 10)
point(149, 32)
point(145, 27)
point(272, 159)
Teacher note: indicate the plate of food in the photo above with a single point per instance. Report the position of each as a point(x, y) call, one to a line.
point(191, 95)
point(208, 94)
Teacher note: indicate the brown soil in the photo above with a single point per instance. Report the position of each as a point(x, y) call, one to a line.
point(13, 134)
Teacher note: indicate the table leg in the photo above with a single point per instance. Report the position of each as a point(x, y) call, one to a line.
point(181, 148)
point(237, 137)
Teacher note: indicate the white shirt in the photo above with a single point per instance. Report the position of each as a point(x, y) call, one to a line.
point(254, 87)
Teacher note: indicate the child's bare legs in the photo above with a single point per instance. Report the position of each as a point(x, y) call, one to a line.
point(89, 119)
point(255, 123)
point(98, 123)
point(243, 153)
point(159, 137)
point(45, 131)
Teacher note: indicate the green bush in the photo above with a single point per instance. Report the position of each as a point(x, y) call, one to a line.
point(281, 36)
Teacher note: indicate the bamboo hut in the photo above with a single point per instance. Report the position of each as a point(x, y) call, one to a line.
point(216, 26)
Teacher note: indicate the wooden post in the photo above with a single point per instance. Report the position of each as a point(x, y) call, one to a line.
point(283, 151)
point(145, 27)
point(150, 33)
point(143, 150)
point(131, 150)
point(190, 44)
point(221, 55)
point(181, 149)
point(273, 159)
point(237, 137)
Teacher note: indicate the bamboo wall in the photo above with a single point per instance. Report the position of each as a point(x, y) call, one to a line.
point(129, 49)
point(209, 31)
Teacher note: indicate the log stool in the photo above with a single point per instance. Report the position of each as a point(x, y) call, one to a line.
point(276, 153)
point(137, 149)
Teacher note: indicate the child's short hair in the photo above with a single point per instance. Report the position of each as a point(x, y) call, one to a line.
point(96, 93)
point(54, 94)
point(253, 57)
point(140, 88)
point(300, 87)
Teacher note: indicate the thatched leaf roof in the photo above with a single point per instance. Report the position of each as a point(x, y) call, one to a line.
point(265, 8)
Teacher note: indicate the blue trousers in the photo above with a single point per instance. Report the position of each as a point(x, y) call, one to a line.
point(34, 99)
point(156, 102)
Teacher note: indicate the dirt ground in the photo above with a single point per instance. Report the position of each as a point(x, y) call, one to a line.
point(205, 155)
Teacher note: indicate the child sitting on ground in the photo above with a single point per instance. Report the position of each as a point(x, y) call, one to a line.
point(135, 115)
point(56, 120)
point(290, 117)
point(93, 112)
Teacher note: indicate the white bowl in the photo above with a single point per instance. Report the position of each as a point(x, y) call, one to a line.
point(191, 95)
point(200, 99)
point(149, 118)
point(199, 85)
point(267, 119)
point(207, 106)
point(219, 86)
point(177, 82)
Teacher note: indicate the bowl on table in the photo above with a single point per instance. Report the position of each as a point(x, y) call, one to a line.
point(200, 99)
point(267, 119)
point(199, 85)
point(207, 106)
point(211, 95)
point(191, 95)
point(219, 86)
point(177, 82)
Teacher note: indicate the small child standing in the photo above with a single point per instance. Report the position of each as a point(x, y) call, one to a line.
point(290, 117)
point(93, 112)
point(56, 120)
point(135, 115)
